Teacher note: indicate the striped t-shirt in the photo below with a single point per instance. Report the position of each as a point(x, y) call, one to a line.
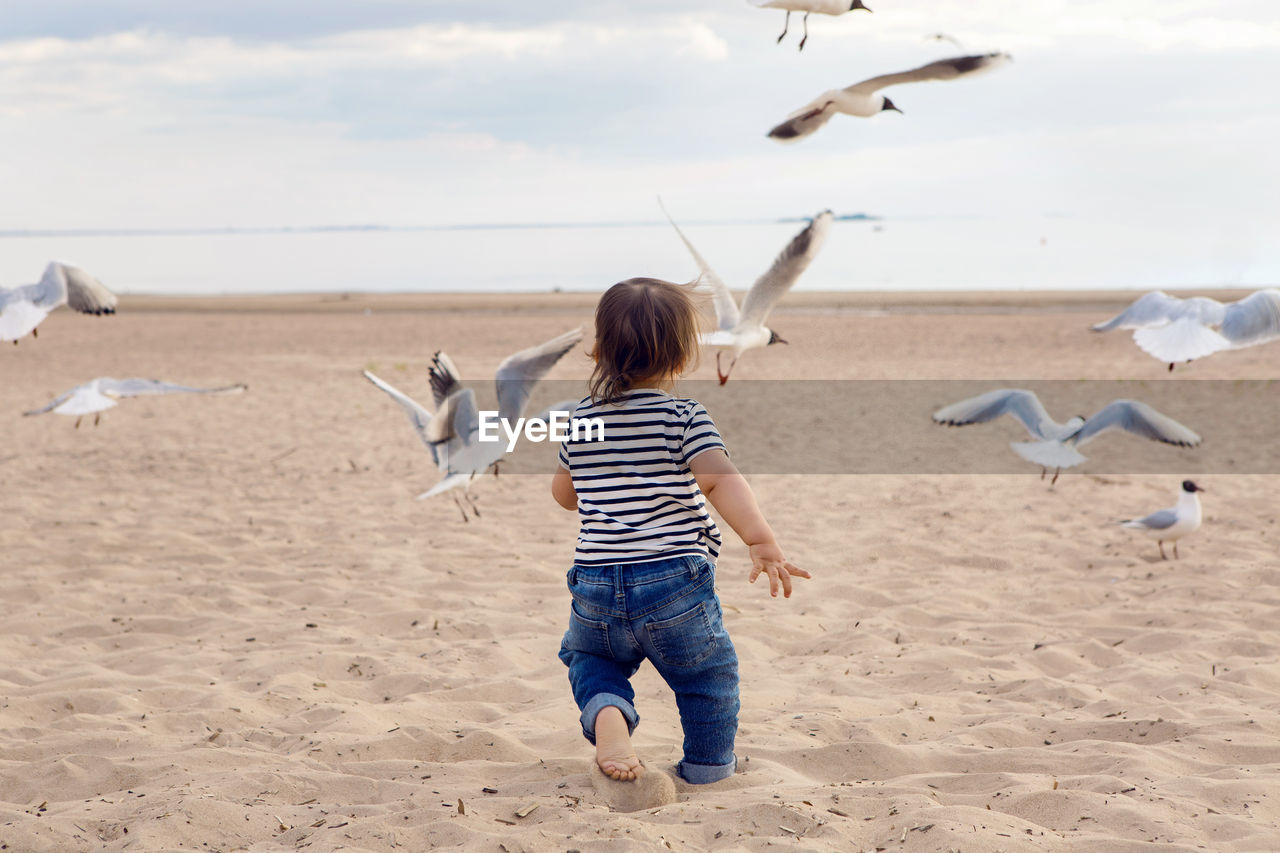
point(637, 498)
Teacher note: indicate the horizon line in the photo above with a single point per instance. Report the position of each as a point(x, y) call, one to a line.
point(232, 230)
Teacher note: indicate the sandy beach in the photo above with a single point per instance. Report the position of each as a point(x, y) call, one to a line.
point(228, 625)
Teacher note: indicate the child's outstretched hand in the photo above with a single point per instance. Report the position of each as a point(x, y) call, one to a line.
point(767, 557)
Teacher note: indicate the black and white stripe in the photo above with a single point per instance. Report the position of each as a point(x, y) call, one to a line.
point(637, 499)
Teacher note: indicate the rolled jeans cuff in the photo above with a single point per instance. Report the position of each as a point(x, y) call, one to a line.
point(598, 703)
point(705, 774)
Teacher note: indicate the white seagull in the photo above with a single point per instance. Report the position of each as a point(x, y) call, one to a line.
point(864, 99)
point(25, 307)
point(1170, 525)
point(451, 433)
point(1055, 444)
point(741, 331)
point(824, 7)
point(97, 395)
point(1173, 329)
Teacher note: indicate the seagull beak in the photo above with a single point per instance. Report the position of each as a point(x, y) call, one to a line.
point(778, 340)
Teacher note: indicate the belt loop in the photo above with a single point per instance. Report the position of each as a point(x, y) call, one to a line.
point(694, 567)
point(573, 575)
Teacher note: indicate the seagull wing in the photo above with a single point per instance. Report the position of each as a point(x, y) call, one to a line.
point(721, 298)
point(806, 120)
point(140, 387)
point(419, 417)
point(84, 293)
point(1138, 418)
point(18, 317)
point(1185, 339)
point(50, 291)
point(453, 481)
point(786, 268)
point(466, 417)
point(943, 69)
point(520, 372)
point(1022, 404)
point(1161, 519)
point(1253, 320)
point(57, 401)
point(444, 378)
point(1151, 309)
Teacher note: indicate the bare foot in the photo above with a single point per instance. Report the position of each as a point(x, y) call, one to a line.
point(614, 754)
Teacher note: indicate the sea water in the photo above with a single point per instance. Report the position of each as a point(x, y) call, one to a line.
point(907, 253)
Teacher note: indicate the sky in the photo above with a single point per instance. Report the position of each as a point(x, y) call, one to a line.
point(147, 114)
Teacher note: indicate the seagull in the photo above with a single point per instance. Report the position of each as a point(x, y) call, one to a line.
point(944, 37)
point(97, 395)
point(825, 7)
point(863, 99)
point(1055, 444)
point(1170, 525)
point(25, 307)
point(451, 433)
point(1173, 329)
point(741, 331)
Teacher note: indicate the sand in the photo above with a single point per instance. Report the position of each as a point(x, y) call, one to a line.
point(227, 625)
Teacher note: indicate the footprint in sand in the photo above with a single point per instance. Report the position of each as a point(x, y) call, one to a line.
point(655, 788)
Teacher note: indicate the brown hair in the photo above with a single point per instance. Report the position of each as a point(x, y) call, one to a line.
point(646, 329)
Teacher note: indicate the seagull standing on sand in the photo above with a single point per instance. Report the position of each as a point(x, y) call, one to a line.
point(451, 434)
point(1170, 525)
point(1173, 329)
point(741, 331)
point(97, 395)
point(23, 308)
point(864, 99)
point(1055, 444)
point(825, 7)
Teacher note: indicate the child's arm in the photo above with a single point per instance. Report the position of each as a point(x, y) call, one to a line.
point(562, 489)
point(731, 495)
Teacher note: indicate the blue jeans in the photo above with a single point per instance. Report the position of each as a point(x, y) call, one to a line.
point(665, 611)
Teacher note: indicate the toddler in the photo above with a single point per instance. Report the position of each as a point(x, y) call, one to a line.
point(643, 578)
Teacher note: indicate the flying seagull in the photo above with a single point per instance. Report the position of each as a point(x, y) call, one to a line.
point(864, 99)
point(451, 433)
point(824, 7)
point(97, 395)
point(741, 331)
point(25, 307)
point(1055, 444)
point(1173, 329)
point(944, 37)
point(1170, 525)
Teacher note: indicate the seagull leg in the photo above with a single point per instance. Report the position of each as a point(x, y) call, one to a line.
point(1160, 542)
point(472, 503)
point(1175, 551)
point(458, 501)
point(97, 416)
point(495, 470)
point(77, 426)
point(1043, 472)
point(1055, 476)
point(786, 22)
point(1171, 367)
point(723, 377)
point(35, 333)
point(806, 31)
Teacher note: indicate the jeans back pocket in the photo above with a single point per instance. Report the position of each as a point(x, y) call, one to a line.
point(687, 639)
point(587, 635)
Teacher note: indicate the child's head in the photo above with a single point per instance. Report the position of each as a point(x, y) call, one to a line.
point(646, 332)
